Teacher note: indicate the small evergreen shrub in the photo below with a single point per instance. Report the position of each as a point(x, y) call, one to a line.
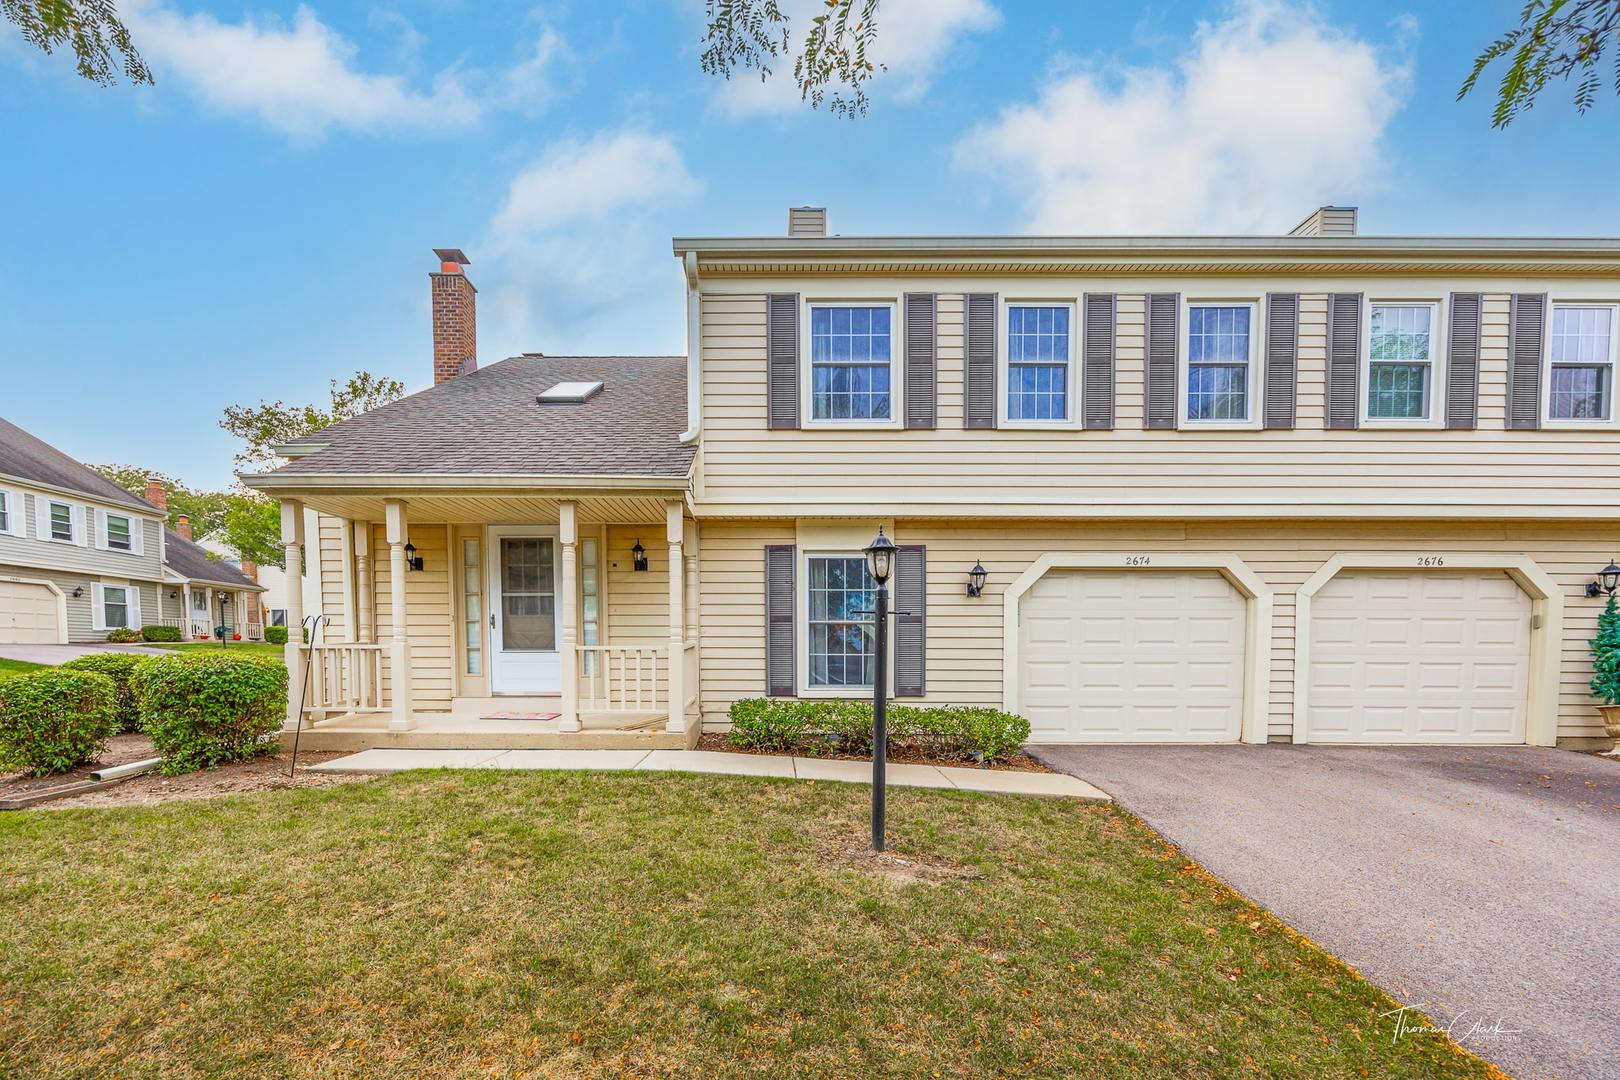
point(275, 635)
point(1606, 655)
point(160, 633)
point(123, 635)
point(207, 708)
point(120, 668)
point(52, 720)
point(946, 732)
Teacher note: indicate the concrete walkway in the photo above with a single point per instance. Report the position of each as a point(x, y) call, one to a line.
point(1001, 781)
point(61, 654)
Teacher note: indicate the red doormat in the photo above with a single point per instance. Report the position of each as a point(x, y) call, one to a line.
point(522, 716)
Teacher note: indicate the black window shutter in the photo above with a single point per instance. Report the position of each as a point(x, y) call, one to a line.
point(1462, 362)
point(1282, 360)
point(1344, 360)
point(782, 360)
point(1527, 321)
point(780, 680)
point(910, 622)
point(921, 359)
point(1163, 311)
point(979, 410)
point(1098, 350)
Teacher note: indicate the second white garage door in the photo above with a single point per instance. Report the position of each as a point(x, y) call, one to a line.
point(29, 614)
point(1419, 658)
point(1132, 656)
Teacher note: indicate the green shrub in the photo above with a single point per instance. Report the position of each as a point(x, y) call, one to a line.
point(52, 720)
point(203, 709)
point(120, 668)
point(948, 732)
point(160, 633)
point(123, 635)
point(275, 635)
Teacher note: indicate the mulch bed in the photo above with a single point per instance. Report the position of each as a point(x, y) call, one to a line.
point(898, 755)
point(260, 774)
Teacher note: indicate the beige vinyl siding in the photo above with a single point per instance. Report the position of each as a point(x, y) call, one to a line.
point(334, 576)
point(747, 470)
point(950, 344)
point(637, 603)
point(1130, 360)
point(427, 605)
point(965, 635)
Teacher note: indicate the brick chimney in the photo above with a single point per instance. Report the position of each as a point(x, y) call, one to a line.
point(455, 317)
point(157, 494)
point(183, 526)
point(250, 570)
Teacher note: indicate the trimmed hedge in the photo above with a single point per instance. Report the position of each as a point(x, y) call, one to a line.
point(120, 668)
point(948, 732)
point(52, 720)
point(160, 633)
point(275, 635)
point(204, 709)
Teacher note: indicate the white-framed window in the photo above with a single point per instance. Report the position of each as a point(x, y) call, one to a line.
point(59, 522)
point(852, 346)
point(13, 513)
point(8, 512)
point(1402, 342)
point(1219, 346)
point(118, 534)
point(1581, 343)
point(1038, 362)
point(472, 604)
point(840, 634)
point(278, 616)
point(114, 606)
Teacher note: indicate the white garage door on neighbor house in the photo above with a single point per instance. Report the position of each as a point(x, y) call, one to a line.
point(1419, 658)
point(1132, 656)
point(29, 614)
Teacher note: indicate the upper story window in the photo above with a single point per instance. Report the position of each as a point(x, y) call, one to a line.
point(1220, 358)
point(7, 513)
point(118, 533)
point(841, 635)
point(1581, 352)
point(61, 516)
point(851, 361)
point(1038, 357)
point(1400, 361)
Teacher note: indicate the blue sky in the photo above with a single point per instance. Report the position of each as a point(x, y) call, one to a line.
point(260, 221)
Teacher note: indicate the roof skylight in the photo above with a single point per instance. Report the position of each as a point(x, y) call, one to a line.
point(570, 393)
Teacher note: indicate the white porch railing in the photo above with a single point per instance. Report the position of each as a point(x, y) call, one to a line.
point(344, 677)
point(623, 678)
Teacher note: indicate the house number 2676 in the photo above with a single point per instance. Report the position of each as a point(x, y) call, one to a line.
point(1431, 560)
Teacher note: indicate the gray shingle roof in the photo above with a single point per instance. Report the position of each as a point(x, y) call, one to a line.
point(191, 560)
point(28, 458)
point(487, 422)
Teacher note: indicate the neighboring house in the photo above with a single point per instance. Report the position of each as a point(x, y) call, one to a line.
point(271, 605)
point(80, 556)
point(1320, 487)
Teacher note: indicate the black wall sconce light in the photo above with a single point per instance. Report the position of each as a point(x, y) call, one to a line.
point(413, 561)
point(638, 557)
point(1608, 580)
point(78, 591)
point(976, 578)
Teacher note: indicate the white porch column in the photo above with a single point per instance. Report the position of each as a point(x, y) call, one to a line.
point(568, 536)
point(185, 612)
point(365, 623)
point(675, 523)
point(399, 649)
point(292, 543)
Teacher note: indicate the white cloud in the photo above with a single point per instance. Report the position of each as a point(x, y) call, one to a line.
point(577, 256)
point(303, 79)
point(1269, 114)
point(914, 38)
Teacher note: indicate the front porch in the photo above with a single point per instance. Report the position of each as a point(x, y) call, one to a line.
point(538, 628)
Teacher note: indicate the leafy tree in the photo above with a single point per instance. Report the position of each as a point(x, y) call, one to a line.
point(206, 509)
point(1555, 39)
point(91, 27)
point(753, 34)
point(253, 529)
point(268, 424)
point(1606, 655)
point(249, 523)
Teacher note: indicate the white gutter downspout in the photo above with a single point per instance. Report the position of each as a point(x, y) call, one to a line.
point(694, 351)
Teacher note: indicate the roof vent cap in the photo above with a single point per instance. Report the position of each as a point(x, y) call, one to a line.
point(570, 393)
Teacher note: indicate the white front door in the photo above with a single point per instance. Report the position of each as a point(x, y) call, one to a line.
point(523, 581)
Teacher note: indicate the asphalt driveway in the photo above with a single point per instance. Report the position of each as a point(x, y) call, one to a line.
point(61, 654)
point(1479, 883)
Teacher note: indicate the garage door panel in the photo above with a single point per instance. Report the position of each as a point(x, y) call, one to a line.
point(1153, 656)
point(1419, 657)
point(30, 614)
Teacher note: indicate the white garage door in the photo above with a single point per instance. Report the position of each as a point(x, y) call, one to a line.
point(1419, 658)
point(1132, 656)
point(28, 614)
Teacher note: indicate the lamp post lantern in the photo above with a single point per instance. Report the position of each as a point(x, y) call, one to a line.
point(224, 619)
point(880, 564)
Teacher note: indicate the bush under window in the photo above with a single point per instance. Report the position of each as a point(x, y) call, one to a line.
point(207, 708)
point(275, 635)
point(120, 668)
point(946, 732)
point(160, 633)
point(52, 720)
point(123, 635)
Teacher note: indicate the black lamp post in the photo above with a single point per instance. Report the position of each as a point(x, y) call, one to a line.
point(224, 619)
point(880, 564)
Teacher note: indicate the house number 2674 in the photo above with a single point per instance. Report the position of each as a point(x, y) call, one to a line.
point(1431, 560)
point(1138, 560)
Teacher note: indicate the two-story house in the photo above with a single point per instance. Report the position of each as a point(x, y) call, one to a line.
point(80, 556)
point(1317, 487)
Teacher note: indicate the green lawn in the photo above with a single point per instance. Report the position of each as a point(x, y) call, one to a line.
point(9, 668)
point(255, 648)
point(557, 925)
